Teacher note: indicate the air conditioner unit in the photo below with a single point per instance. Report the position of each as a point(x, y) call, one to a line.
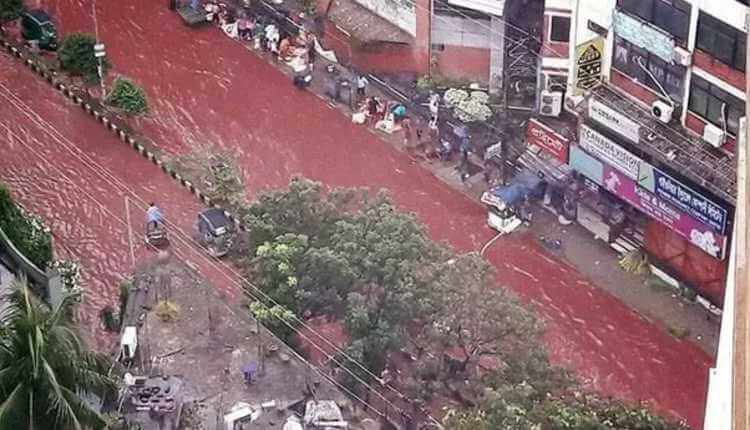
point(551, 103)
point(662, 111)
point(682, 57)
point(713, 135)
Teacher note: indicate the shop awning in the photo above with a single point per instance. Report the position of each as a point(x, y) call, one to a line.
point(364, 25)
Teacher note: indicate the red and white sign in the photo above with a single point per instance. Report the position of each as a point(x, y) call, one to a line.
point(540, 135)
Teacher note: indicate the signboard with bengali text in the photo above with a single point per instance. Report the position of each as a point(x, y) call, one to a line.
point(540, 135)
point(698, 233)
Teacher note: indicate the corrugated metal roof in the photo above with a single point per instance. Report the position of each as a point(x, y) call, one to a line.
point(364, 24)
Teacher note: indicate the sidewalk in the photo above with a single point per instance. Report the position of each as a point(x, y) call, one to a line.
point(593, 258)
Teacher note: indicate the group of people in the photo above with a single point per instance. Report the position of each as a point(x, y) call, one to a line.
point(266, 33)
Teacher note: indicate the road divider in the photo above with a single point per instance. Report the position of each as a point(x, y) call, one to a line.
point(95, 111)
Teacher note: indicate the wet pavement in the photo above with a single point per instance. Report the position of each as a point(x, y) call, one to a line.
point(206, 88)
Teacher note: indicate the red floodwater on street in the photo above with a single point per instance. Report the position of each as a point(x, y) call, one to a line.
point(206, 88)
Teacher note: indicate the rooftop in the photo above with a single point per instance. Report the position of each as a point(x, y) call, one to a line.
point(674, 146)
point(210, 345)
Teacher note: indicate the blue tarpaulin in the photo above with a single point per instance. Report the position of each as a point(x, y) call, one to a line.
point(521, 185)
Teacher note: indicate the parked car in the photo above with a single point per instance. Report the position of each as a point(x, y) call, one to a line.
point(36, 25)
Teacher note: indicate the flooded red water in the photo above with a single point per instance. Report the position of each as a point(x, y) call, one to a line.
point(205, 88)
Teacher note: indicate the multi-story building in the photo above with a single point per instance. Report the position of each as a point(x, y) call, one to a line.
point(656, 88)
point(454, 39)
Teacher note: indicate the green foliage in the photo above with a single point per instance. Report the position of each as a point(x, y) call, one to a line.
point(26, 231)
point(278, 319)
point(45, 369)
point(128, 96)
point(483, 320)
point(76, 55)
point(217, 174)
point(10, 9)
point(425, 84)
point(357, 258)
point(560, 412)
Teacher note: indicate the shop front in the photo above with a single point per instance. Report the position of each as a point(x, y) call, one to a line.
point(683, 231)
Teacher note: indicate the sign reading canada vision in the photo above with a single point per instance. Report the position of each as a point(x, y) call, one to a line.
point(611, 153)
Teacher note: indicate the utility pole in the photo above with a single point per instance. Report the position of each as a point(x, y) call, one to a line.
point(741, 340)
point(99, 52)
point(130, 231)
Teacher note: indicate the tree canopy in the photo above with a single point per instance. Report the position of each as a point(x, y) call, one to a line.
point(47, 375)
point(76, 56)
point(353, 256)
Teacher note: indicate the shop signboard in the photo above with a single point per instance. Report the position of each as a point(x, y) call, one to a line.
point(588, 65)
point(540, 135)
point(614, 120)
point(644, 36)
point(698, 233)
point(609, 152)
point(586, 165)
point(690, 201)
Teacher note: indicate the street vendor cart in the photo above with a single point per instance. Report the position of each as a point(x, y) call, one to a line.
point(504, 202)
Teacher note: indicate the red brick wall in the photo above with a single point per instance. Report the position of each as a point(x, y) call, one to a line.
point(633, 88)
point(697, 124)
point(458, 62)
point(380, 57)
point(716, 68)
point(552, 49)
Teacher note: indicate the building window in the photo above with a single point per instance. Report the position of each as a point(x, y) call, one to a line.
point(715, 105)
point(559, 29)
point(672, 16)
point(722, 41)
point(634, 61)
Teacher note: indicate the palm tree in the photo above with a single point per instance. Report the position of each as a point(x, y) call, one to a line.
point(46, 371)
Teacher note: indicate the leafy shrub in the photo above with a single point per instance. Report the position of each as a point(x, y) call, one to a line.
point(10, 9)
point(278, 319)
point(76, 55)
point(425, 84)
point(26, 231)
point(167, 310)
point(127, 96)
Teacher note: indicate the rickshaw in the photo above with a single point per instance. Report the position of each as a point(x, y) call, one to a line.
point(156, 235)
point(215, 231)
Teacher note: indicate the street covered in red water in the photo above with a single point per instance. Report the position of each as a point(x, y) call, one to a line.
point(207, 89)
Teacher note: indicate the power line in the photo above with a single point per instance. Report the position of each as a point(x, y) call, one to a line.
point(110, 178)
point(184, 259)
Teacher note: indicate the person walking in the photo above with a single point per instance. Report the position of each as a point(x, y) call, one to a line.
point(362, 83)
point(406, 126)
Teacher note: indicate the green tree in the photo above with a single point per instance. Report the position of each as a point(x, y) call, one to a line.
point(25, 231)
point(76, 55)
point(275, 269)
point(46, 372)
point(475, 316)
point(10, 9)
point(128, 96)
point(302, 208)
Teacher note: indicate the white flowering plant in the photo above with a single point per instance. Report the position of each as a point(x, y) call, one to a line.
point(454, 96)
point(70, 276)
point(480, 96)
point(471, 110)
